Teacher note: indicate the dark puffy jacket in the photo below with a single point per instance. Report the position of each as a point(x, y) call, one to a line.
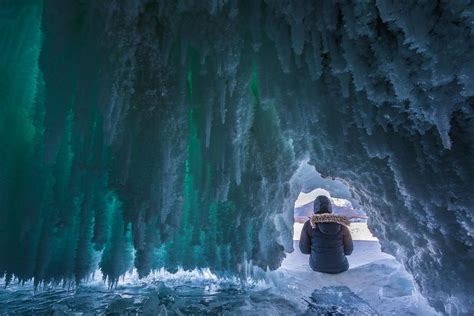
point(328, 244)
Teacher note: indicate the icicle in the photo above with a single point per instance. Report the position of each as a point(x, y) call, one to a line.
point(222, 98)
point(113, 149)
point(209, 120)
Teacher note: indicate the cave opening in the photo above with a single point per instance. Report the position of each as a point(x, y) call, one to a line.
point(344, 202)
point(340, 206)
point(374, 278)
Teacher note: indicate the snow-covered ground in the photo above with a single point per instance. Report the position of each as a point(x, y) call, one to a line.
point(375, 280)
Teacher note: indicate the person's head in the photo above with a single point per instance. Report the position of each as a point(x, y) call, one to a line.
point(322, 205)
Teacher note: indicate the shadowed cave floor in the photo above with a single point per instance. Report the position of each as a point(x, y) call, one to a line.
point(375, 284)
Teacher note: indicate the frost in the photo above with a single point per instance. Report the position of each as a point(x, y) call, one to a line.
point(154, 134)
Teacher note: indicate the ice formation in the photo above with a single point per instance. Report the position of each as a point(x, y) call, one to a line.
point(170, 133)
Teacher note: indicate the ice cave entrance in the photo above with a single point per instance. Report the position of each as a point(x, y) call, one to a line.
point(375, 282)
point(303, 209)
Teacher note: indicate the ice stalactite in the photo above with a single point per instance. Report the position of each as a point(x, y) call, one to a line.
point(169, 133)
point(21, 88)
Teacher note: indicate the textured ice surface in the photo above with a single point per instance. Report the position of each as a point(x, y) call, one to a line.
point(371, 273)
point(154, 134)
point(185, 293)
point(293, 289)
point(338, 300)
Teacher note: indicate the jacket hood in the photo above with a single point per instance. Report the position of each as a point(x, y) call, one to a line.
point(322, 204)
point(327, 222)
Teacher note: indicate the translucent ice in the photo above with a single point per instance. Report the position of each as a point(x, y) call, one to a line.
point(155, 134)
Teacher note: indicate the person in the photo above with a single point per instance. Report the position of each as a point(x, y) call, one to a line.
point(326, 238)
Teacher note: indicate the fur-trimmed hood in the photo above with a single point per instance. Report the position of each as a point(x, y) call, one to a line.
point(328, 218)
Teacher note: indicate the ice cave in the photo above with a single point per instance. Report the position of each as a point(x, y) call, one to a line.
point(153, 151)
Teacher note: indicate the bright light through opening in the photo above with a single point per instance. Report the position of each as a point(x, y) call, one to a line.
point(304, 209)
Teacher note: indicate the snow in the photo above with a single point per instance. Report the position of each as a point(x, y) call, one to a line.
point(375, 277)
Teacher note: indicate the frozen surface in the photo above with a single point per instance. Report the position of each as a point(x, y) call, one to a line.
point(376, 283)
point(150, 134)
point(339, 300)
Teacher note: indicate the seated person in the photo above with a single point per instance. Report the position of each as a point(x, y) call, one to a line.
point(326, 238)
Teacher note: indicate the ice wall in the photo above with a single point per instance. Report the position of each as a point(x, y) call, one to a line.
point(169, 133)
